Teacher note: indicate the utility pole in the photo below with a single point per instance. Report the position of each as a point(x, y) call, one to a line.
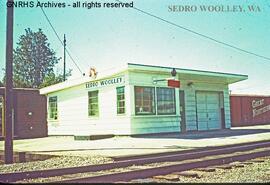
point(64, 57)
point(9, 87)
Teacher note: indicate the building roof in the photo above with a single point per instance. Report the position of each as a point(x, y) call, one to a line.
point(23, 89)
point(250, 95)
point(186, 74)
point(2, 90)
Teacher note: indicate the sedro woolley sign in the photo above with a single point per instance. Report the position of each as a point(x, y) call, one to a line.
point(105, 83)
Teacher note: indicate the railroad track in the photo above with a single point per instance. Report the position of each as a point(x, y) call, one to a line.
point(164, 170)
point(187, 160)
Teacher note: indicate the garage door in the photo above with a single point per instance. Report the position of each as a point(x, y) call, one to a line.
point(208, 110)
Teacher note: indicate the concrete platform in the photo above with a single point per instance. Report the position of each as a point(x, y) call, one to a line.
point(126, 145)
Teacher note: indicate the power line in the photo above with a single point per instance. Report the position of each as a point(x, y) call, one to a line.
point(60, 40)
point(202, 35)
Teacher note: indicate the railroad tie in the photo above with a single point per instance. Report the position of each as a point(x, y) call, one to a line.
point(148, 180)
point(238, 165)
point(224, 167)
point(188, 174)
point(257, 160)
point(120, 182)
point(205, 169)
point(170, 177)
point(246, 162)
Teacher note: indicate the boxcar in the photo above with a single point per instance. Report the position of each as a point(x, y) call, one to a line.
point(249, 110)
point(30, 113)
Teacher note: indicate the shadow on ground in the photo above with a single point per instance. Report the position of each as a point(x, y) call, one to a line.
point(206, 134)
point(122, 148)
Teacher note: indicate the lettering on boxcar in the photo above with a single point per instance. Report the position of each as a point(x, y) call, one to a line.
point(258, 111)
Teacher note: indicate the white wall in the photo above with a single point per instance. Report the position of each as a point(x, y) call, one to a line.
point(73, 116)
point(73, 108)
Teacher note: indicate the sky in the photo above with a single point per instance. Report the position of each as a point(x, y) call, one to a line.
point(105, 38)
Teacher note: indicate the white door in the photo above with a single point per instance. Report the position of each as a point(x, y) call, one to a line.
point(208, 110)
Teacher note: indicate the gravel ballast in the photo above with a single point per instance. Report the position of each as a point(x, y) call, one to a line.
point(54, 163)
point(249, 173)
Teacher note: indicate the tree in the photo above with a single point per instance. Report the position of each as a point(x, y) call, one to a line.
point(53, 78)
point(3, 81)
point(34, 61)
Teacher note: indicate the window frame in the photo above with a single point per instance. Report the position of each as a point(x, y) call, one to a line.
point(96, 115)
point(122, 100)
point(153, 99)
point(173, 90)
point(50, 109)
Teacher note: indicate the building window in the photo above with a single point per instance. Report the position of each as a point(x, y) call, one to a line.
point(145, 100)
point(165, 100)
point(120, 91)
point(93, 103)
point(53, 115)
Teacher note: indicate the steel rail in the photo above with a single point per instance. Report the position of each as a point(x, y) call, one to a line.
point(207, 148)
point(214, 151)
point(182, 155)
point(146, 173)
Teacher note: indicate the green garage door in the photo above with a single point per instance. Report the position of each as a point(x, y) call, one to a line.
point(208, 110)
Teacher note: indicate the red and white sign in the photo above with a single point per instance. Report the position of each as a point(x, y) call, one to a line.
point(174, 83)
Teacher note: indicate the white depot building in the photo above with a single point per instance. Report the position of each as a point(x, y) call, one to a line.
point(140, 99)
